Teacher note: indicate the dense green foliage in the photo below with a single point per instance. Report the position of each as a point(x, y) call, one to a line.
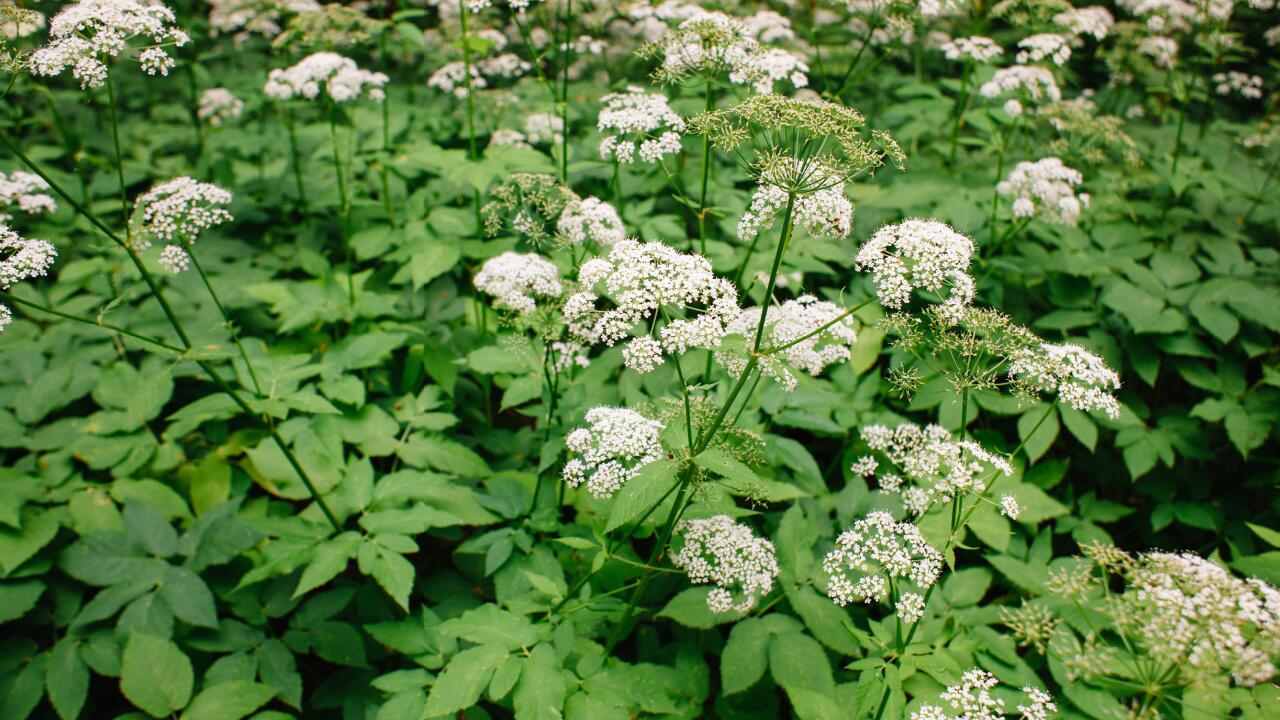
point(320, 474)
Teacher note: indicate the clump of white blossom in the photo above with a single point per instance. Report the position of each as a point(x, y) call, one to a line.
point(1051, 46)
point(823, 212)
point(1242, 84)
point(452, 78)
point(617, 443)
point(1030, 81)
point(640, 280)
point(639, 121)
point(508, 137)
point(591, 219)
point(719, 551)
point(21, 259)
point(1045, 188)
point(86, 35)
point(24, 191)
point(1094, 20)
point(976, 48)
point(179, 209)
point(174, 259)
point(972, 699)
point(218, 105)
point(711, 43)
point(516, 281)
point(1079, 378)
point(16, 22)
point(244, 18)
point(506, 66)
point(543, 128)
point(876, 559)
point(1163, 51)
point(919, 255)
point(928, 464)
point(785, 324)
point(325, 72)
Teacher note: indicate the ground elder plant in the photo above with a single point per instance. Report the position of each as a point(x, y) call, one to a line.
point(535, 360)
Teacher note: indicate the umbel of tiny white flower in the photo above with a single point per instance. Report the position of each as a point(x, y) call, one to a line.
point(637, 281)
point(617, 443)
point(928, 464)
point(245, 18)
point(1095, 20)
point(785, 324)
point(21, 259)
point(178, 209)
point(708, 44)
point(517, 280)
point(16, 22)
point(24, 191)
point(919, 255)
point(719, 551)
point(878, 559)
point(1041, 46)
point(219, 105)
point(824, 212)
point(1027, 82)
point(452, 78)
point(1080, 379)
point(329, 73)
point(976, 48)
point(972, 699)
point(591, 219)
point(1046, 188)
point(642, 123)
point(88, 34)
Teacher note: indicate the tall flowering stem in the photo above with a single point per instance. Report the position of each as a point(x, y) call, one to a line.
point(567, 58)
point(296, 156)
point(178, 328)
point(115, 134)
point(344, 206)
point(472, 153)
point(706, 174)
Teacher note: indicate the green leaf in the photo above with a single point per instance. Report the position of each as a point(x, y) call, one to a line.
point(494, 359)
point(1038, 444)
point(491, 625)
point(155, 675)
point(463, 679)
point(66, 679)
point(540, 693)
point(744, 659)
point(1272, 537)
point(228, 701)
point(797, 661)
point(330, 558)
point(17, 599)
point(1080, 425)
point(392, 571)
point(689, 608)
point(189, 598)
point(38, 529)
point(725, 465)
point(642, 493)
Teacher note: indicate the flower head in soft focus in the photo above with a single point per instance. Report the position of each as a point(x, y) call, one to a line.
point(641, 123)
point(1094, 20)
point(790, 323)
point(878, 551)
point(591, 219)
point(329, 73)
point(1163, 51)
point(218, 105)
point(972, 699)
point(1044, 46)
point(543, 128)
point(919, 255)
point(976, 48)
point(452, 78)
point(244, 18)
point(651, 281)
point(1027, 82)
point(925, 465)
point(85, 36)
point(326, 27)
point(16, 22)
point(21, 259)
point(718, 551)
point(1045, 188)
point(1079, 378)
point(24, 192)
point(1236, 82)
point(611, 450)
point(516, 281)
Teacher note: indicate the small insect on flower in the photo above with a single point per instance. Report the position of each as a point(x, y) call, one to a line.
point(1080, 379)
point(639, 121)
point(21, 259)
point(591, 219)
point(875, 553)
point(23, 190)
point(85, 36)
point(325, 72)
point(617, 443)
point(729, 555)
point(1045, 188)
point(219, 105)
point(919, 255)
point(516, 281)
point(800, 321)
point(180, 208)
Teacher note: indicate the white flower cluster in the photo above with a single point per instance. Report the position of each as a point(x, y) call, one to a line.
point(928, 464)
point(611, 451)
point(1175, 16)
point(179, 208)
point(971, 699)
point(19, 22)
point(1026, 80)
point(768, 26)
point(786, 323)
point(640, 121)
point(729, 555)
point(825, 212)
point(1081, 379)
point(23, 190)
point(919, 254)
point(977, 48)
point(85, 35)
point(591, 219)
point(543, 128)
point(218, 105)
point(507, 136)
point(516, 281)
point(1190, 613)
point(643, 280)
point(337, 76)
point(1094, 20)
point(174, 259)
point(245, 18)
point(1163, 51)
point(1047, 188)
point(1243, 84)
point(21, 259)
point(1055, 47)
point(940, 8)
point(710, 42)
point(452, 78)
point(506, 66)
point(878, 551)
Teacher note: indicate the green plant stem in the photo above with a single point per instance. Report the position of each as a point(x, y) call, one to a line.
point(820, 329)
point(1177, 137)
point(566, 60)
point(9, 297)
point(1271, 169)
point(344, 206)
point(962, 102)
point(709, 105)
point(115, 135)
point(296, 155)
point(783, 241)
point(472, 153)
point(226, 319)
